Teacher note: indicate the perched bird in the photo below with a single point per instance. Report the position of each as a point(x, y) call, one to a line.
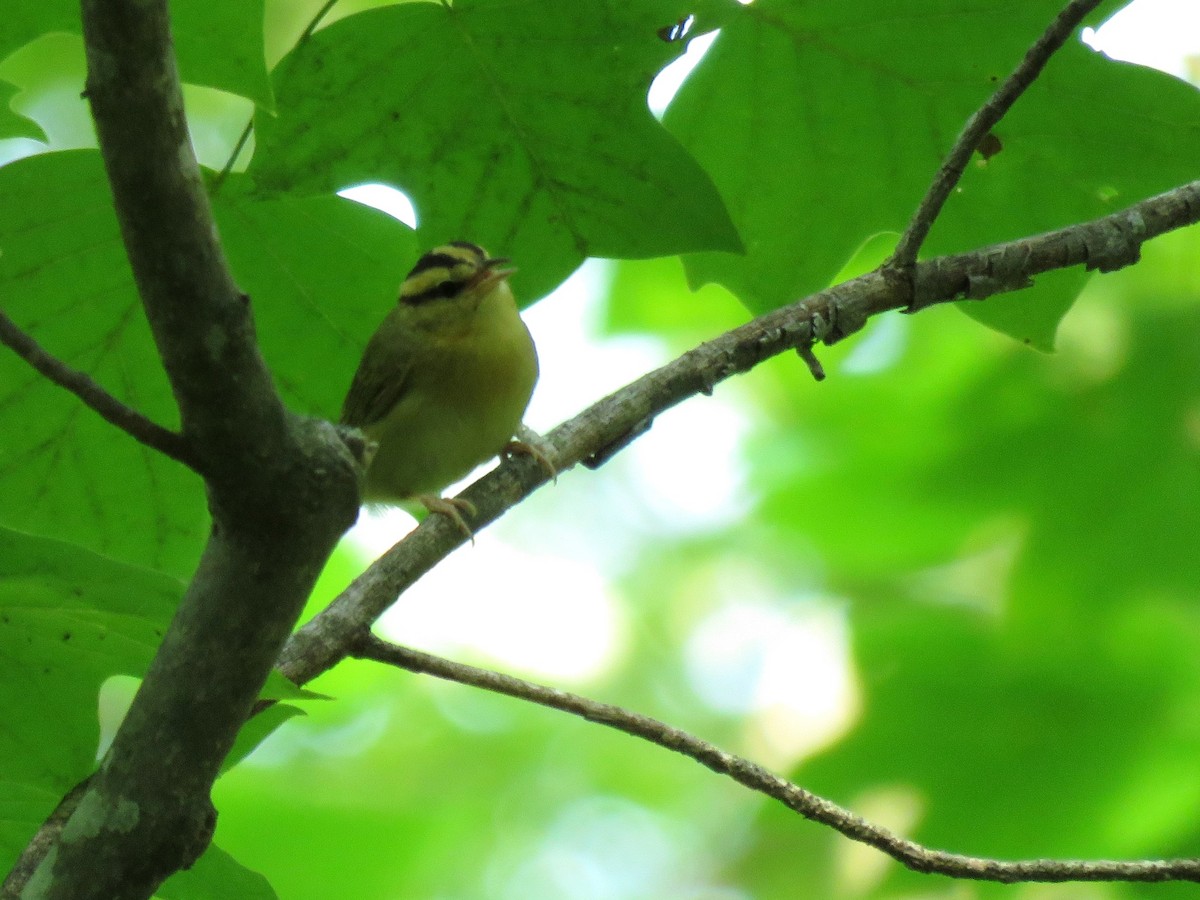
point(445, 379)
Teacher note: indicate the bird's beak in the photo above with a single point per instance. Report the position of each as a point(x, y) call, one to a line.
point(493, 271)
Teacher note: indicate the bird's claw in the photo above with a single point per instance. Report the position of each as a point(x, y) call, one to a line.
point(453, 509)
point(528, 448)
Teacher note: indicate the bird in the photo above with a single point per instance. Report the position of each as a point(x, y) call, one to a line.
point(444, 381)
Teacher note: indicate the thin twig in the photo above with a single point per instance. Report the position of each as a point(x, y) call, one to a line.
point(237, 151)
point(978, 126)
point(112, 410)
point(805, 351)
point(280, 487)
point(910, 853)
point(316, 20)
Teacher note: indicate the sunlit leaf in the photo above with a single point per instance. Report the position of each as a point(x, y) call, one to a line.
point(320, 271)
point(522, 126)
point(199, 27)
point(67, 472)
point(864, 101)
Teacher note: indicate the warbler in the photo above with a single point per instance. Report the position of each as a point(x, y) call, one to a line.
point(444, 381)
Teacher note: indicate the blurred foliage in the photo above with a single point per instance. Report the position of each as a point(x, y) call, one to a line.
point(69, 619)
point(957, 589)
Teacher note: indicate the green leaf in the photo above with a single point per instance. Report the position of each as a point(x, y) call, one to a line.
point(50, 74)
point(1130, 446)
point(217, 44)
point(866, 99)
point(321, 271)
point(1049, 641)
point(12, 123)
point(66, 472)
point(257, 730)
point(522, 126)
point(68, 620)
point(852, 469)
point(221, 45)
point(1091, 137)
point(652, 297)
point(280, 688)
point(216, 876)
point(24, 20)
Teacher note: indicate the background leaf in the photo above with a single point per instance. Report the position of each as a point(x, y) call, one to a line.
point(215, 876)
point(68, 620)
point(198, 28)
point(12, 124)
point(520, 124)
point(321, 271)
point(67, 472)
point(865, 102)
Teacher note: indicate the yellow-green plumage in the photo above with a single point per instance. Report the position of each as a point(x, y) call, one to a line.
point(445, 379)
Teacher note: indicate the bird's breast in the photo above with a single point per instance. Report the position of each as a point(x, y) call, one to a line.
point(463, 406)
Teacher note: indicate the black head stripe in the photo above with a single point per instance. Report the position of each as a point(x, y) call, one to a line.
point(443, 290)
point(435, 260)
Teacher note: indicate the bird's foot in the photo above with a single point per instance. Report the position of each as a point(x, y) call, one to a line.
point(453, 509)
point(528, 445)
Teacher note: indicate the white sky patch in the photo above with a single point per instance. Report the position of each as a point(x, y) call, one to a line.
point(547, 616)
point(348, 739)
point(383, 197)
point(115, 698)
point(608, 848)
point(1157, 33)
point(577, 365)
point(686, 472)
point(877, 349)
point(688, 468)
point(668, 82)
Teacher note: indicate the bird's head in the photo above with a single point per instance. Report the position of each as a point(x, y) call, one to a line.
point(452, 271)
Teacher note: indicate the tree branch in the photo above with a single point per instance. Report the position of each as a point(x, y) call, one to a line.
point(977, 127)
point(911, 854)
point(605, 427)
point(281, 489)
point(82, 385)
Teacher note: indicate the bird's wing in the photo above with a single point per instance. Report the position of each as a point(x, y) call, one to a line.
point(382, 379)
